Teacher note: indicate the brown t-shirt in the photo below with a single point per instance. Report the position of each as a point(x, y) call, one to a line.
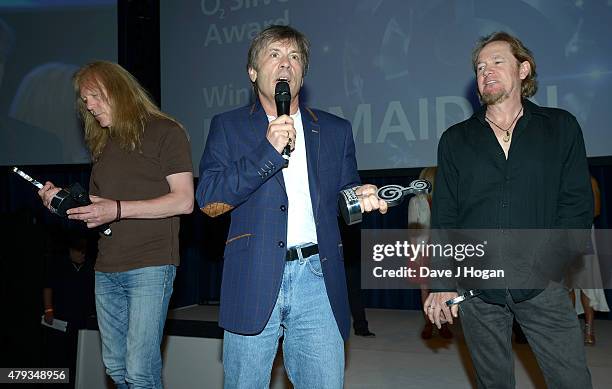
point(141, 175)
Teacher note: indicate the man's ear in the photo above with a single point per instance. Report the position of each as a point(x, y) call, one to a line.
point(524, 69)
point(252, 74)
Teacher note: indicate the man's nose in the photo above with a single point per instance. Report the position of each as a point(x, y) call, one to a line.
point(284, 62)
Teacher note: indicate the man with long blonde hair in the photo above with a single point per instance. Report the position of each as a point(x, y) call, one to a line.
point(141, 180)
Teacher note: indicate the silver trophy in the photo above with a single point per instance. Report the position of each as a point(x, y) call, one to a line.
point(348, 201)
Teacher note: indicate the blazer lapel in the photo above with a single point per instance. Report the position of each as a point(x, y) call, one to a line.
point(312, 139)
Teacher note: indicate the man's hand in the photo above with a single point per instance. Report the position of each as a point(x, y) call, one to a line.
point(100, 211)
point(49, 317)
point(281, 133)
point(47, 192)
point(436, 309)
point(368, 199)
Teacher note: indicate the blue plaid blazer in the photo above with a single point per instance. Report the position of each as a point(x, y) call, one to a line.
point(240, 173)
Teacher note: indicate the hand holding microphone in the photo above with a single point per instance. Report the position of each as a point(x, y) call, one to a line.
point(281, 131)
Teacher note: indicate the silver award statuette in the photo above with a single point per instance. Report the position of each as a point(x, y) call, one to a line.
point(349, 206)
point(348, 201)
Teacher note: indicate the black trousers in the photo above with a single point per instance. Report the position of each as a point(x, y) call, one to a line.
point(61, 352)
point(551, 327)
point(353, 283)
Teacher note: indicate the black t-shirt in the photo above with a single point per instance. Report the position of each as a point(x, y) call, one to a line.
point(73, 290)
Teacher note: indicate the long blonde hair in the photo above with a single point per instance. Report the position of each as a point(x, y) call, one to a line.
point(419, 209)
point(131, 106)
point(429, 174)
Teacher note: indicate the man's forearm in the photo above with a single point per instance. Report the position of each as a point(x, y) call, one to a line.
point(48, 298)
point(165, 206)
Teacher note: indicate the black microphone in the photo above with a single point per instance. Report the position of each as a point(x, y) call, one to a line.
point(282, 97)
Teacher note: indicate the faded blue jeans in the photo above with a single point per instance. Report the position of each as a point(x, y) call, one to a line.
point(131, 307)
point(313, 349)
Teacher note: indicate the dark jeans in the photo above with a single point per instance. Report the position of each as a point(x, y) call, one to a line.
point(552, 329)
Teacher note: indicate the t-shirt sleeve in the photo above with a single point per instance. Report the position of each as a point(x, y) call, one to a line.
point(175, 151)
point(93, 187)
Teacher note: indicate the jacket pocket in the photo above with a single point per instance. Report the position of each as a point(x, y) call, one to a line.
point(237, 243)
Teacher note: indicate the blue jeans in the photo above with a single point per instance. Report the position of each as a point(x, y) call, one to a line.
point(313, 349)
point(132, 307)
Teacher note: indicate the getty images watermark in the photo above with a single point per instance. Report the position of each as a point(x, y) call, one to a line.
point(476, 259)
point(417, 253)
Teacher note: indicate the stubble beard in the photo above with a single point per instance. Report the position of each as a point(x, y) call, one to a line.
point(494, 98)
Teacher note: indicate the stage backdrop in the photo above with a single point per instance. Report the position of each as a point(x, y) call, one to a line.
point(42, 44)
point(400, 71)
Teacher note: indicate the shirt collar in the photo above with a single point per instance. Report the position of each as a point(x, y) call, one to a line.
point(529, 109)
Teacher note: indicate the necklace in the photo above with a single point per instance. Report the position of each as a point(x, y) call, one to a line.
point(505, 138)
point(77, 266)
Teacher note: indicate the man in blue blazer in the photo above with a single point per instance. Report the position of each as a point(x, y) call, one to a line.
point(283, 274)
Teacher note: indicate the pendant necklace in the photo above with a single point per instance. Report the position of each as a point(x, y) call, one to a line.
point(508, 135)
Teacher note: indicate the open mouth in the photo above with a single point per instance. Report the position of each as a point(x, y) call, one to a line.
point(281, 79)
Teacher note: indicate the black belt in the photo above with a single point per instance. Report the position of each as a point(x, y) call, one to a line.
point(292, 253)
